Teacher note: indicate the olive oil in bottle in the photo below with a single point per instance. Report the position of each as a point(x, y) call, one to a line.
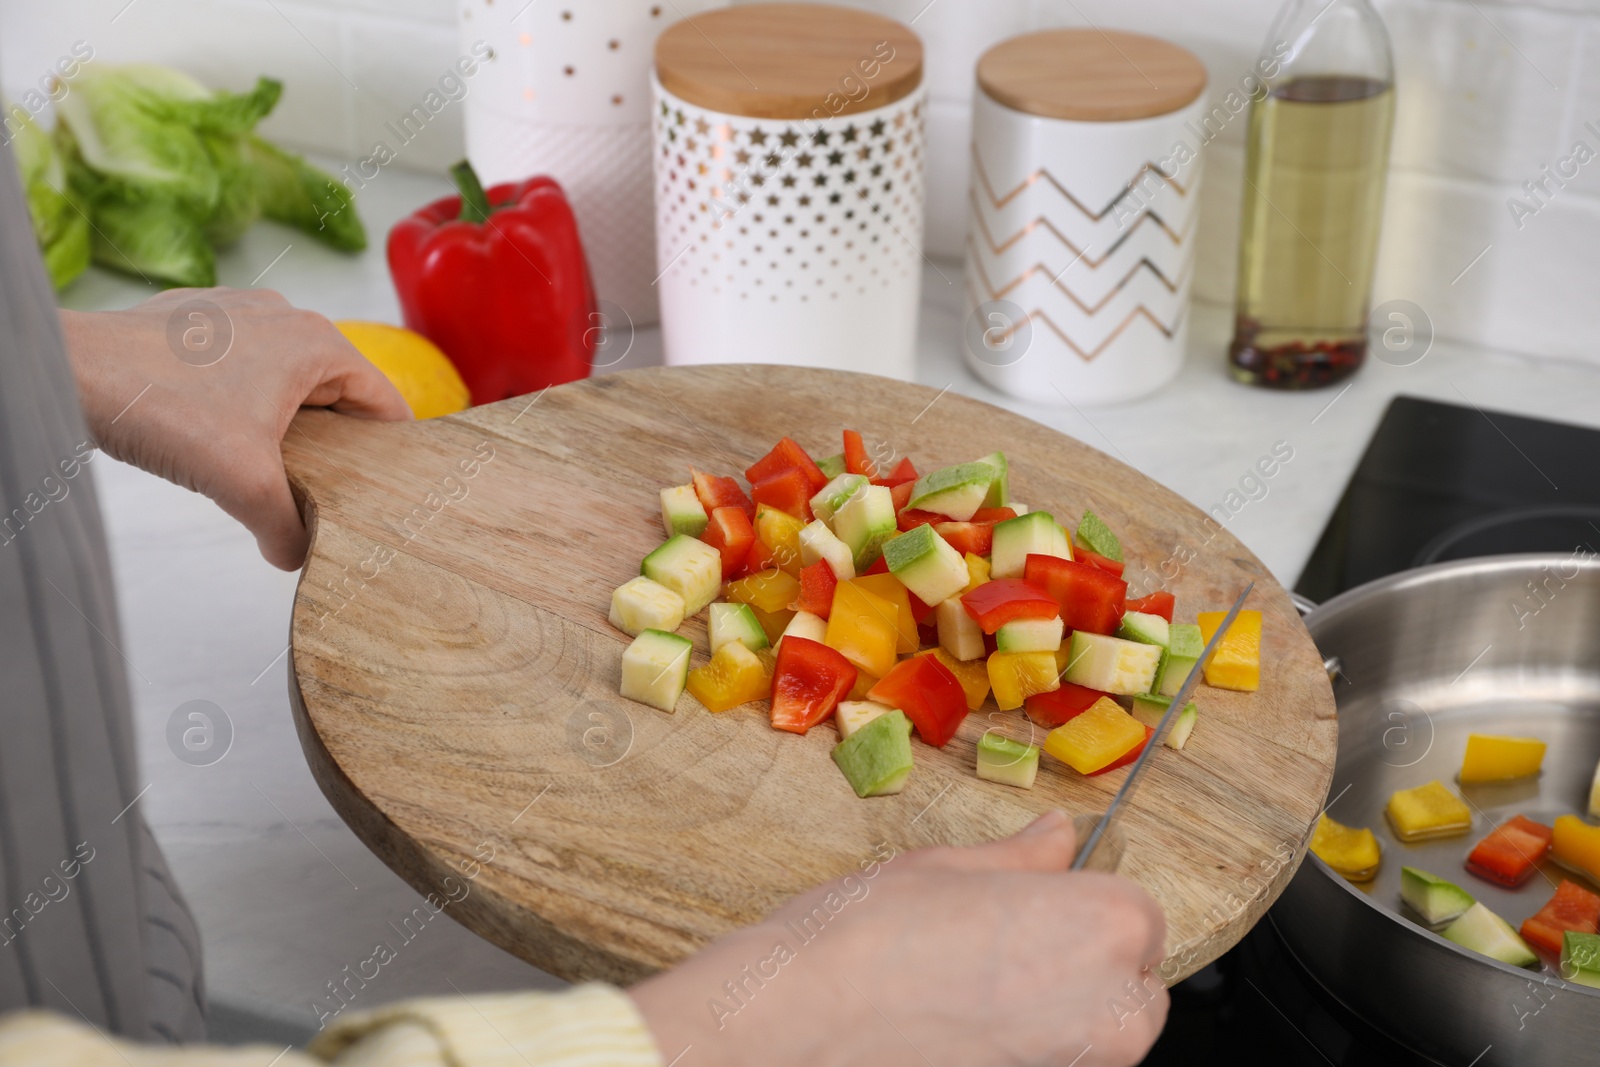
point(1315, 173)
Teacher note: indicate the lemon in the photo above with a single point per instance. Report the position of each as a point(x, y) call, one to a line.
point(423, 374)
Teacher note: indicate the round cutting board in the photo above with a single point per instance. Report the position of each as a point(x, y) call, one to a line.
point(455, 678)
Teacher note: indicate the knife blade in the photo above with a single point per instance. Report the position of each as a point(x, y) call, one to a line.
point(1101, 828)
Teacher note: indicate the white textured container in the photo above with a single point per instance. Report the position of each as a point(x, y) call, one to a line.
point(1080, 245)
point(568, 94)
point(789, 218)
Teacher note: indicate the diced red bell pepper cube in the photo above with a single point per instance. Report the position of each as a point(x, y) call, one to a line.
point(993, 515)
point(788, 490)
point(1572, 908)
point(929, 693)
point(881, 566)
point(729, 532)
point(1134, 753)
point(807, 684)
point(1051, 709)
point(1160, 603)
point(716, 491)
point(911, 518)
point(901, 495)
point(964, 537)
point(920, 612)
point(1510, 852)
point(817, 583)
point(902, 474)
point(1110, 566)
point(1089, 598)
point(856, 460)
point(786, 455)
point(759, 558)
point(995, 603)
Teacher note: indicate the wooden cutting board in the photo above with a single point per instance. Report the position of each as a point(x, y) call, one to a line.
point(455, 678)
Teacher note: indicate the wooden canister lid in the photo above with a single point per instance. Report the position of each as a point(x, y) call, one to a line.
point(1091, 75)
point(789, 61)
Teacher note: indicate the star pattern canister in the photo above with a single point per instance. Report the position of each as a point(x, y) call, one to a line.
point(1086, 162)
point(789, 204)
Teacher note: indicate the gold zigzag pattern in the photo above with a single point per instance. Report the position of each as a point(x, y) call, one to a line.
point(1032, 179)
point(1055, 281)
point(1000, 247)
point(1089, 357)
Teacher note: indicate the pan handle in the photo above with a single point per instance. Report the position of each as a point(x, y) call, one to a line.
point(1305, 606)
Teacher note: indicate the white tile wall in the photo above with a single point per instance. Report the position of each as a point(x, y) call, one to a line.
point(1490, 92)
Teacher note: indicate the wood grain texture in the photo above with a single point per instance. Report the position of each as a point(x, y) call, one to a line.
point(789, 61)
point(1091, 76)
point(455, 678)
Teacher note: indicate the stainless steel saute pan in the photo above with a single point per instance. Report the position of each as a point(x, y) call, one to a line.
point(1500, 645)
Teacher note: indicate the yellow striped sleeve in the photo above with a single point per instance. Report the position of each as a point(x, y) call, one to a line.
point(592, 1025)
point(40, 1039)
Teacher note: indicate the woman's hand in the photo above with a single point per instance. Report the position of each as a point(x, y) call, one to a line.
point(199, 385)
point(947, 956)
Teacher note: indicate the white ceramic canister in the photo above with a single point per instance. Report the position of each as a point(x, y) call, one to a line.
point(567, 93)
point(789, 148)
point(1086, 165)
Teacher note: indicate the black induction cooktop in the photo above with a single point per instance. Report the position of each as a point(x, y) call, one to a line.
point(1437, 482)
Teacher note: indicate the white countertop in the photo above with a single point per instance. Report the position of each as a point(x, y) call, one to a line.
point(285, 893)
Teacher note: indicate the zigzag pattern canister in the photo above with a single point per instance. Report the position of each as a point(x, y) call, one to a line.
point(1080, 252)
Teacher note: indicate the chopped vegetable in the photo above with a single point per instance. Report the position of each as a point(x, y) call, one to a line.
point(930, 695)
point(1095, 559)
point(690, 568)
point(1491, 758)
point(1097, 537)
point(1029, 635)
point(1157, 603)
point(773, 623)
point(1236, 663)
point(887, 588)
point(1000, 488)
point(818, 543)
point(967, 538)
point(1580, 959)
point(655, 669)
point(682, 512)
point(852, 715)
point(862, 627)
point(785, 456)
point(1350, 851)
point(1484, 932)
point(977, 572)
point(1090, 599)
point(1000, 759)
point(816, 590)
point(1095, 739)
point(831, 466)
point(780, 532)
point(856, 460)
point(926, 564)
point(788, 490)
point(833, 496)
point(1438, 902)
point(1184, 647)
point(735, 622)
point(804, 624)
point(808, 683)
point(1033, 534)
point(954, 492)
point(1426, 812)
point(730, 533)
point(716, 491)
point(876, 759)
point(864, 522)
point(904, 473)
point(1059, 705)
point(1576, 844)
point(641, 604)
point(1149, 708)
point(1111, 664)
point(735, 675)
point(769, 590)
point(1002, 600)
point(973, 676)
point(1146, 629)
point(959, 633)
point(1572, 907)
point(1510, 852)
point(1016, 676)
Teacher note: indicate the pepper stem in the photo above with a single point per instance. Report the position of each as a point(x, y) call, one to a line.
point(474, 201)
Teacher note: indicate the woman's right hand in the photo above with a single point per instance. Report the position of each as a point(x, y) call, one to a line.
point(995, 954)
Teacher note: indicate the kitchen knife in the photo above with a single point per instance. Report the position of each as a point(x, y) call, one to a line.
point(1101, 828)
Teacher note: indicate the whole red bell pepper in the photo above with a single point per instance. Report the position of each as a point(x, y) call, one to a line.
point(498, 280)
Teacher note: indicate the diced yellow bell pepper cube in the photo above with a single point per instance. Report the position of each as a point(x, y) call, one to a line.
point(773, 623)
point(1426, 812)
point(780, 532)
point(864, 684)
point(1353, 853)
point(888, 587)
point(1236, 664)
point(1063, 656)
point(1577, 845)
point(972, 674)
point(977, 572)
point(1099, 736)
point(734, 676)
point(861, 627)
point(1016, 676)
point(770, 590)
point(1491, 758)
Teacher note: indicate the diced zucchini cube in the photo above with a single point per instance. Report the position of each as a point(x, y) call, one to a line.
point(817, 542)
point(735, 622)
point(641, 603)
point(1111, 664)
point(926, 564)
point(682, 512)
point(831, 466)
point(876, 759)
point(1000, 759)
point(1000, 488)
point(954, 491)
point(959, 633)
point(689, 567)
point(1184, 647)
point(831, 497)
point(852, 715)
point(1029, 635)
point(1143, 627)
point(864, 522)
point(1097, 537)
point(1036, 533)
point(655, 669)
